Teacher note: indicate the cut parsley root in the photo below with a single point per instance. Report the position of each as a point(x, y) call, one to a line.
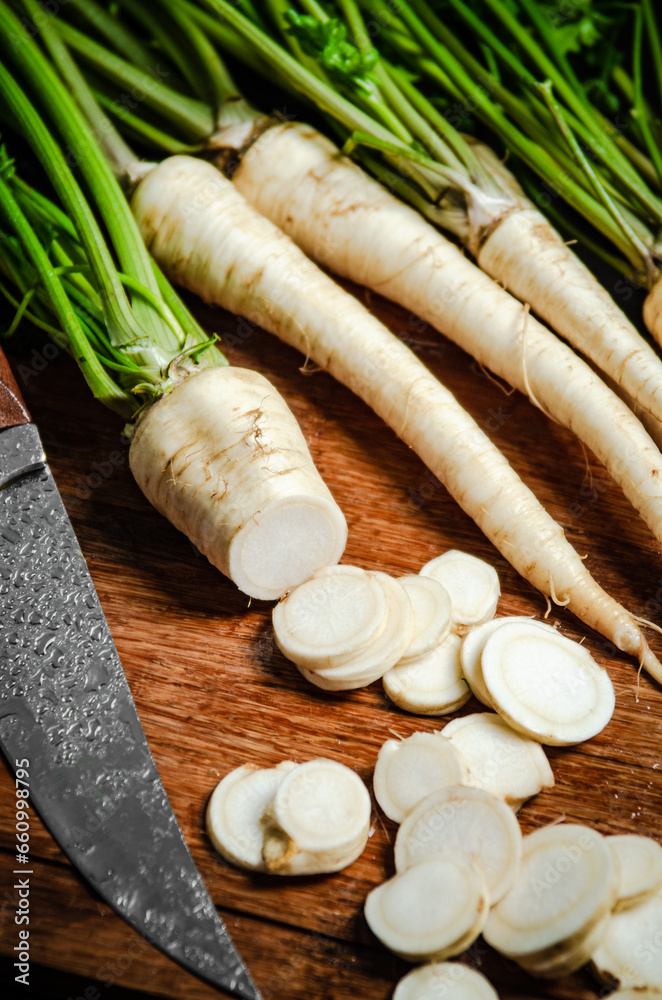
point(472, 584)
point(223, 458)
point(207, 237)
point(235, 810)
point(499, 759)
point(433, 614)
point(345, 627)
point(629, 953)
point(433, 910)
point(544, 685)
point(431, 684)
point(407, 771)
point(469, 820)
point(472, 650)
point(317, 821)
point(639, 866)
point(450, 980)
point(566, 884)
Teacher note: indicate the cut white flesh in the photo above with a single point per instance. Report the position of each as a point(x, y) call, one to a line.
point(499, 759)
point(472, 651)
point(407, 771)
point(207, 238)
point(432, 613)
point(318, 820)
point(434, 910)
point(473, 585)
point(566, 883)
point(235, 808)
point(450, 980)
point(564, 960)
point(468, 820)
point(432, 684)
point(329, 616)
point(639, 866)
point(370, 663)
point(546, 686)
point(223, 458)
point(630, 953)
point(351, 683)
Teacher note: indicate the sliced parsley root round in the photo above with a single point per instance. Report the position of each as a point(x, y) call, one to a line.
point(318, 820)
point(565, 886)
point(432, 608)
point(235, 809)
point(450, 980)
point(430, 684)
point(472, 650)
point(473, 585)
point(407, 771)
point(498, 758)
point(469, 820)
point(434, 910)
point(546, 686)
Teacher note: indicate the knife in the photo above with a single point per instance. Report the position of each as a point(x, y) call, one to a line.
point(69, 726)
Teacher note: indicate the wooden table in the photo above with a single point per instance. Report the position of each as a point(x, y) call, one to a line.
point(213, 691)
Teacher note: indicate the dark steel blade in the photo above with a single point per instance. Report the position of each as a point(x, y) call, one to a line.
point(66, 707)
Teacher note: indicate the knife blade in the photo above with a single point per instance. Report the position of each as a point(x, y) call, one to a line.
point(66, 709)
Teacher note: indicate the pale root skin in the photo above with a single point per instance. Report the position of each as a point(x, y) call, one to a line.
point(528, 257)
point(223, 458)
point(653, 311)
point(348, 222)
point(207, 238)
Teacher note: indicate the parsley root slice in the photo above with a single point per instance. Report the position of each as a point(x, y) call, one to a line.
point(472, 584)
point(639, 865)
point(330, 616)
point(235, 809)
point(498, 758)
point(472, 650)
point(318, 820)
point(434, 910)
point(629, 952)
point(545, 685)
point(450, 980)
point(407, 771)
point(469, 820)
point(363, 638)
point(432, 614)
point(431, 684)
point(566, 883)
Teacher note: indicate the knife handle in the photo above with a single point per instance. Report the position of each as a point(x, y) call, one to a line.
point(13, 410)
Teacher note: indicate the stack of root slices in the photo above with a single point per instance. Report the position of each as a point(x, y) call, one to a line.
point(293, 819)
point(552, 901)
point(434, 641)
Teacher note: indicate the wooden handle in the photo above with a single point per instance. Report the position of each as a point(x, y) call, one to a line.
point(13, 410)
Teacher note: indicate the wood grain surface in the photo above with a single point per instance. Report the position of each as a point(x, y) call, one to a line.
point(213, 691)
point(13, 411)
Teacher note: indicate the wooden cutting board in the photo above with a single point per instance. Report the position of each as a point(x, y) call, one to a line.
point(213, 692)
